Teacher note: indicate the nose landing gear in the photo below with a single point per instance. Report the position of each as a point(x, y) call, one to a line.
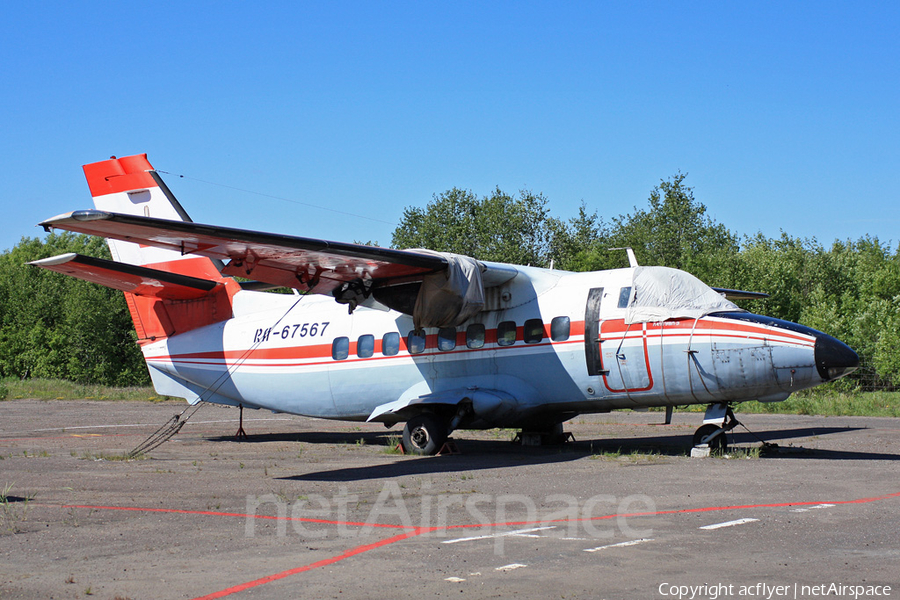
point(719, 420)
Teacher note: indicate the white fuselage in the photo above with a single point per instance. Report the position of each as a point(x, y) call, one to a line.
point(571, 353)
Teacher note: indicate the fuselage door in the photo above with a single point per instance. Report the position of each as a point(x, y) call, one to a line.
point(592, 332)
point(625, 356)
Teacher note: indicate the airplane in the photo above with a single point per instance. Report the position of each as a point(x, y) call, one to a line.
point(439, 341)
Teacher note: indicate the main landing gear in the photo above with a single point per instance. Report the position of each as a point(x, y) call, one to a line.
point(424, 434)
point(550, 436)
point(719, 420)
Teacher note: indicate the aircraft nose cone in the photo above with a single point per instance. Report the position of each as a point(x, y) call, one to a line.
point(834, 358)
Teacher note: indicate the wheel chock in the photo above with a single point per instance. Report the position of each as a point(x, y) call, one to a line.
point(701, 451)
point(449, 447)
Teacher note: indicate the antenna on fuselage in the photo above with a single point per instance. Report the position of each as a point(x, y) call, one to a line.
point(632, 260)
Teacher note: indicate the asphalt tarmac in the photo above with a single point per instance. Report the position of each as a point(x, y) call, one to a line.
point(306, 508)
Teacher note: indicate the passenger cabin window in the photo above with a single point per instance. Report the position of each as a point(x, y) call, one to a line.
point(506, 333)
point(624, 297)
point(446, 339)
point(416, 342)
point(533, 332)
point(390, 343)
point(475, 336)
point(365, 346)
point(559, 329)
point(340, 348)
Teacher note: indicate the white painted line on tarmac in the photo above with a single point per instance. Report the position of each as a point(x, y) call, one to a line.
point(511, 567)
point(728, 524)
point(816, 507)
point(516, 533)
point(619, 545)
point(454, 579)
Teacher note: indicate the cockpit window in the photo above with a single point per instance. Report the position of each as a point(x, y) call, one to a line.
point(624, 297)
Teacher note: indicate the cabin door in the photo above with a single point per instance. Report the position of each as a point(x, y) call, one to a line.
point(624, 352)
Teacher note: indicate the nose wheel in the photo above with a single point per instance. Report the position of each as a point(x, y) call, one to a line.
point(718, 421)
point(712, 436)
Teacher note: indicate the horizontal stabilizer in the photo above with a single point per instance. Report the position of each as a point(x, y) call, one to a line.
point(139, 281)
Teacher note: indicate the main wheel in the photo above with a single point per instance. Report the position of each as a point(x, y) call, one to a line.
point(718, 443)
point(424, 434)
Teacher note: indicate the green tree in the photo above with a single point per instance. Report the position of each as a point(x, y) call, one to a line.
point(675, 231)
point(56, 326)
point(499, 227)
point(582, 244)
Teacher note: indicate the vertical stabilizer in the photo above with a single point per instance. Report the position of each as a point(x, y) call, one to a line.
point(131, 186)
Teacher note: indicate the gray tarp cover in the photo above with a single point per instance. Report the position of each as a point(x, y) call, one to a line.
point(449, 297)
point(661, 293)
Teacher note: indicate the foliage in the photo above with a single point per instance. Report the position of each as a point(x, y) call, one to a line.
point(56, 326)
point(53, 326)
point(830, 401)
point(850, 290)
point(499, 227)
point(59, 389)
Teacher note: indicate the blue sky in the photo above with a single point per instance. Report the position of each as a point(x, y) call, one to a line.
point(785, 115)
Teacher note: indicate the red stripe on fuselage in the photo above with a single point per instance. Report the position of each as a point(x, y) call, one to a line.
point(321, 353)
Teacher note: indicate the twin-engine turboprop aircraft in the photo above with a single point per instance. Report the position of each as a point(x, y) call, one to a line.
point(440, 341)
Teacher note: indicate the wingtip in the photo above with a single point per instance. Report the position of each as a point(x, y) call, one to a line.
point(89, 214)
point(53, 261)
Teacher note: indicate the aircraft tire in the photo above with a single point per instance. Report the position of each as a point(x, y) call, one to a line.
point(424, 434)
point(717, 444)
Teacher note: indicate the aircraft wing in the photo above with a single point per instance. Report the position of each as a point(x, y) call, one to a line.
point(318, 266)
point(140, 281)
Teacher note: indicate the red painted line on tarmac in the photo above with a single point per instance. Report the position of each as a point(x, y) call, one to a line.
point(421, 530)
point(316, 565)
point(68, 436)
point(417, 531)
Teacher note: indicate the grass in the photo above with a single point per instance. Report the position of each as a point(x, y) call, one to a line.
point(58, 389)
point(831, 402)
point(736, 453)
point(393, 445)
point(13, 510)
point(824, 401)
point(631, 455)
